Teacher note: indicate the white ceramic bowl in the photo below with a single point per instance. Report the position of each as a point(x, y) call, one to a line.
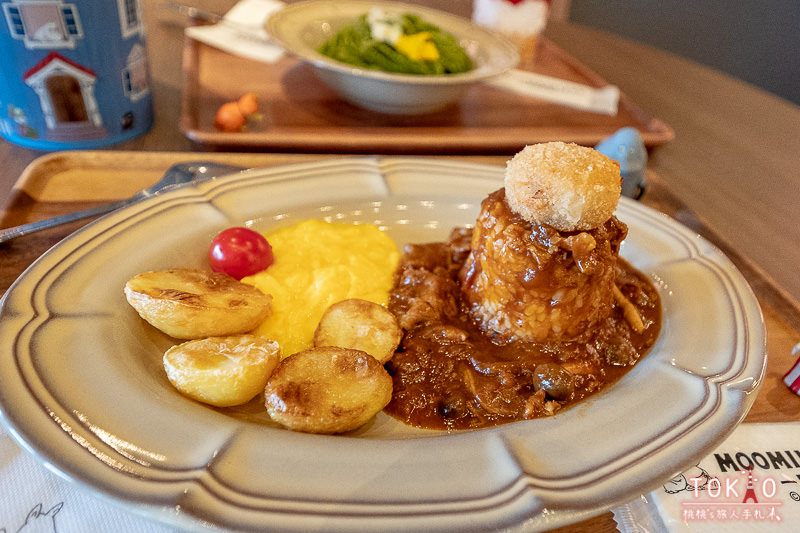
point(303, 27)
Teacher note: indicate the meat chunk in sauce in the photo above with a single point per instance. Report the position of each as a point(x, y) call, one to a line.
point(450, 373)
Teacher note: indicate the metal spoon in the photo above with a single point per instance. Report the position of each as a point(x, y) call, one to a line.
point(176, 176)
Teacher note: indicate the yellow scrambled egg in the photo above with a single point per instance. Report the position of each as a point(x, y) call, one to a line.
point(318, 264)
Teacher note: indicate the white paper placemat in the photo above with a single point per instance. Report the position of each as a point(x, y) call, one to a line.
point(34, 499)
point(723, 493)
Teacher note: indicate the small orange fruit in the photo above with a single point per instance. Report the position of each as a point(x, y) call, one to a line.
point(229, 118)
point(248, 104)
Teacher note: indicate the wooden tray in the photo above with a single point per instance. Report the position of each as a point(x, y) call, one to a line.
point(302, 115)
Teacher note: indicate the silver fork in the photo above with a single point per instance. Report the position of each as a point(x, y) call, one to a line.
point(176, 176)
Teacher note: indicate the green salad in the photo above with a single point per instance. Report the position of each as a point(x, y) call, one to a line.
point(403, 44)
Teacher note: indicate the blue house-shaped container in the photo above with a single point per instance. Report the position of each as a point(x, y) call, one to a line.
point(73, 74)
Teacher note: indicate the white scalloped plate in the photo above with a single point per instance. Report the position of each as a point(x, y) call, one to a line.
point(82, 388)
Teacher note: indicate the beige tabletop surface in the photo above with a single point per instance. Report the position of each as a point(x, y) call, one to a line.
point(734, 161)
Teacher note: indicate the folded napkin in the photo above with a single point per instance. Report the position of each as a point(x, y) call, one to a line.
point(603, 100)
point(241, 31)
point(751, 482)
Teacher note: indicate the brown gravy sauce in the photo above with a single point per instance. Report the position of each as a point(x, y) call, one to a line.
point(448, 374)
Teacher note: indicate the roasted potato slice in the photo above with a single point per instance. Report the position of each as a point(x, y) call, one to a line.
point(360, 325)
point(327, 390)
point(222, 371)
point(193, 304)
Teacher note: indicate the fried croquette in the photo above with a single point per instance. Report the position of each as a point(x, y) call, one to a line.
point(563, 185)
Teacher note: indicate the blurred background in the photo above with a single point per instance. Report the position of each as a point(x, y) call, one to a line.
point(755, 41)
point(758, 42)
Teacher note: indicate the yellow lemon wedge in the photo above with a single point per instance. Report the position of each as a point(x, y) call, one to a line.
point(417, 47)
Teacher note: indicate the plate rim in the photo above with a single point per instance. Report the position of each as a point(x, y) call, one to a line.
point(479, 170)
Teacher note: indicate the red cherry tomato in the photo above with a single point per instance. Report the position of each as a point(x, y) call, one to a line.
point(239, 252)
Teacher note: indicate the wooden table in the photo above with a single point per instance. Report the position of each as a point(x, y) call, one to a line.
point(730, 174)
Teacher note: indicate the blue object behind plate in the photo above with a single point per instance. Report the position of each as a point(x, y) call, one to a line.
point(73, 75)
point(627, 147)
